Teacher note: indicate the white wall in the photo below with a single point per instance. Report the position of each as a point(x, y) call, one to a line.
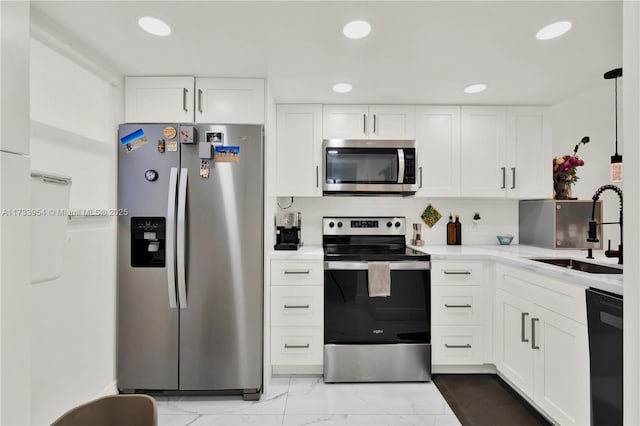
point(591, 113)
point(499, 217)
point(14, 230)
point(72, 328)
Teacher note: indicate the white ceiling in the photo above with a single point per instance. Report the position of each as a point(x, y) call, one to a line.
point(418, 51)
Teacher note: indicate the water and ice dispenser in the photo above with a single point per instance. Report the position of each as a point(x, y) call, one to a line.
point(148, 242)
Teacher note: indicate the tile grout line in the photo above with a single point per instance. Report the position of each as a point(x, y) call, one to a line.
point(284, 412)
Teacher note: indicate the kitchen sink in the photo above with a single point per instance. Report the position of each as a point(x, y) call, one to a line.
point(579, 265)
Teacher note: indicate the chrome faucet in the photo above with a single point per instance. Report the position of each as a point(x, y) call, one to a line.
point(592, 238)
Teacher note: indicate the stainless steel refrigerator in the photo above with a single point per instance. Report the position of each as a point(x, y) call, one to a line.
point(190, 282)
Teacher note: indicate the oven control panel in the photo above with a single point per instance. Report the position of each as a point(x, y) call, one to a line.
point(387, 225)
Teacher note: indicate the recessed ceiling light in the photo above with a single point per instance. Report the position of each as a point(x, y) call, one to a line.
point(553, 30)
point(154, 26)
point(356, 29)
point(342, 88)
point(475, 88)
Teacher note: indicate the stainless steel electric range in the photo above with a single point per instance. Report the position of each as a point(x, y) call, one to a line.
point(374, 339)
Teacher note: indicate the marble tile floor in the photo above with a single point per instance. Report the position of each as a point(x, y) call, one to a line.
point(307, 400)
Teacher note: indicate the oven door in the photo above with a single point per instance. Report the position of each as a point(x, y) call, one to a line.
point(352, 317)
point(368, 167)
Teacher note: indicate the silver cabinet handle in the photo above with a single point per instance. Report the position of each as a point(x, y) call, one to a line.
point(420, 168)
point(171, 229)
point(297, 272)
point(457, 306)
point(504, 177)
point(297, 306)
point(317, 176)
point(364, 123)
point(467, 346)
point(181, 247)
point(522, 326)
point(200, 100)
point(513, 175)
point(457, 272)
point(533, 333)
point(184, 99)
point(287, 346)
point(374, 123)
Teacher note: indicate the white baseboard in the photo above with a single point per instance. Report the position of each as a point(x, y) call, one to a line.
point(464, 369)
point(297, 369)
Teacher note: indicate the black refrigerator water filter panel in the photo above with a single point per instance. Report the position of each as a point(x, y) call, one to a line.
point(148, 242)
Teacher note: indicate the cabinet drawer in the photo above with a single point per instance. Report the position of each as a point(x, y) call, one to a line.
point(297, 305)
point(296, 272)
point(453, 305)
point(457, 273)
point(296, 345)
point(456, 345)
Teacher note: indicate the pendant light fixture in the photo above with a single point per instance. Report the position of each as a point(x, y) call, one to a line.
point(616, 159)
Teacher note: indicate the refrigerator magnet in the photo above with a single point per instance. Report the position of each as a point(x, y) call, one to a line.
point(186, 134)
point(172, 146)
point(204, 169)
point(215, 137)
point(161, 146)
point(169, 132)
point(226, 154)
point(133, 140)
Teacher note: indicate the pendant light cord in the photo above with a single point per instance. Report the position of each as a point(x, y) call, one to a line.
point(616, 81)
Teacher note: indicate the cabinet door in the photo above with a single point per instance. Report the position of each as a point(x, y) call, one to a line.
point(438, 141)
point(483, 152)
point(230, 100)
point(299, 149)
point(512, 334)
point(345, 122)
point(561, 364)
point(392, 122)
point(529, 171)
point(158, 99)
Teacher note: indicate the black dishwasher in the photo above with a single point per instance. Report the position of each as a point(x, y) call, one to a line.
point(604, 319)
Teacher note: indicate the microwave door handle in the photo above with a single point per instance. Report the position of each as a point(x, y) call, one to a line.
point(400, 165)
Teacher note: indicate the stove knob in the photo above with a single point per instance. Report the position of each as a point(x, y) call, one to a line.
point(397, 224)
point(339, 224)
point(389, 224)
point(331, 224)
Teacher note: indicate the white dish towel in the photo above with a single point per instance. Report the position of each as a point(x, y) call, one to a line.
point(379, 279)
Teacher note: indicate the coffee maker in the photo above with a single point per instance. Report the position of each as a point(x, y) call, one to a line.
point(288, 226)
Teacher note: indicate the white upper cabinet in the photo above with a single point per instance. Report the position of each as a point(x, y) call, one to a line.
point(438, 146)
point(506, 152)
point(189, 99)
point(368, 122)
point(529, 154)
point(299, 149)
point(159, 99)
point(483, 145)
point(230, 100)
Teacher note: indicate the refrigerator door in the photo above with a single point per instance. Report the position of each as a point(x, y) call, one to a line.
point(147, 308)
point(221, 326)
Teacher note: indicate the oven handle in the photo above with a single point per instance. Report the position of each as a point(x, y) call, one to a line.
point(363, 266)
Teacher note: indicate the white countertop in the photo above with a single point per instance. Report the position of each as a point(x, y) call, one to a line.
point(515, 255)
point(519, 256)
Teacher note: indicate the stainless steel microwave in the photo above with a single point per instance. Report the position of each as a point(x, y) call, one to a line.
point(368, 167)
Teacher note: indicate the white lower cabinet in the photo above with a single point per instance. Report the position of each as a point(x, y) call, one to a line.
point(543, 353)
point(458, 330)
point(297, 316)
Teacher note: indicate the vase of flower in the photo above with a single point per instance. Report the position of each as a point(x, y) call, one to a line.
point(565, 175)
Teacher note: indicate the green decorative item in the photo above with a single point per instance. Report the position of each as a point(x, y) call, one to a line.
point(430, 216)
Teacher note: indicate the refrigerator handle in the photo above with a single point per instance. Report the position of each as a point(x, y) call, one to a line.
point(181, 243)
point(171, 232)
